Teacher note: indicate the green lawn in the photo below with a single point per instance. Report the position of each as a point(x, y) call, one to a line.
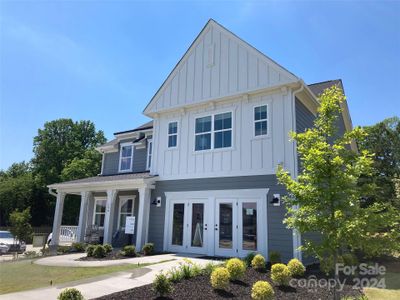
point(392, 281)
point(24, 275)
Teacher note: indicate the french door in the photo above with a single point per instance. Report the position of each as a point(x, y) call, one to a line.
point(236, 228)
point(188, 229)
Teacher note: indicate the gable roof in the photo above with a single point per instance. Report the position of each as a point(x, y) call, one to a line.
point(223, 48)
point(145, 126)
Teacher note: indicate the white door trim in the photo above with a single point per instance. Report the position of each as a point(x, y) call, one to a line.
point(210, 196)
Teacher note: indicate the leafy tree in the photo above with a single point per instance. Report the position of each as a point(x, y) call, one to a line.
point(20, 226)
point(87, 166)
point(327, 196)
point(383, 139)
point(59, 143)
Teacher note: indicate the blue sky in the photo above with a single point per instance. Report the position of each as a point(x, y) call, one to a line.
point(104, 60)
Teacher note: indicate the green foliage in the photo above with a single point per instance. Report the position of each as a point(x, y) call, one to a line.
point(129, 250)
point(108, 248)
point(162, 285)
point(258, 262)
point(383, 140)
point(262, 290)
point(175, 274)
point(78, 247)
point(70, 294)
point(220, 278)
point(296, 267)
point(189, 269)
point(236, 268)
point(274, 257)
point(31, 254)
point(87, 166)
point(148, 249)
point(20, 226)
point(90, 250)
point(328, 195)
point(280, 274)
point(64, 249)
point(208, 268)
point(99, 251)
point(249, 258)
point(349, 259)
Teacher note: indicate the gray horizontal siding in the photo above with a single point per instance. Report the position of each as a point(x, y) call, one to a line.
point(279, 237)
point(111, 160)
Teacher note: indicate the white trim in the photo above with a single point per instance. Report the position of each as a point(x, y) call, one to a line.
point(102, 163)
point(172, 134)
point(100, 198)
point(267, 119)
point(213, 131)
point(123, 198)
point(120, 156)
point(149, 154)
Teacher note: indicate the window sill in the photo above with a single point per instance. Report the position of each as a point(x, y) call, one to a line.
point(260, 137)
point(214, 150)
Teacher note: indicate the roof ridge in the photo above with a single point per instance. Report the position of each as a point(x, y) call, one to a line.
point(325, 81)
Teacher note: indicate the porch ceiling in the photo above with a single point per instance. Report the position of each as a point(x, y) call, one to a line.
point(101, 183)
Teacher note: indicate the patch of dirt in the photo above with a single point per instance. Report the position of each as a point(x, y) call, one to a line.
point(199, 288)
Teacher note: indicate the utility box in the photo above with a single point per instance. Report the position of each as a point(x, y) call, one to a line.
point(39, 240)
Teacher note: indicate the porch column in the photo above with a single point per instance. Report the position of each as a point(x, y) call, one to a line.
point(109, 217)
point(83, 216)
point(55, 238)
point(143, 217)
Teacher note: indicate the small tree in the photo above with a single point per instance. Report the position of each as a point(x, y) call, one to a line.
point(327, 196)
point(20, 226)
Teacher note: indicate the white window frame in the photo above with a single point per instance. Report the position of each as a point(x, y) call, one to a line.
point(97, 199)
point(121, 199)
point(172, 134)
point(120, 156)
point(213, 131)
point(149, 154)
point(261, 120)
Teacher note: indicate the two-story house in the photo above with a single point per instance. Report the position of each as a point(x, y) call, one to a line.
point(201, 176)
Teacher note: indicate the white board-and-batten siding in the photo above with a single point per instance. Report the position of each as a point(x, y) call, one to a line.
point(249, 155)
point(218, 64)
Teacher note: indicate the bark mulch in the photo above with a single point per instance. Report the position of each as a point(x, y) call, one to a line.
point(199, 288)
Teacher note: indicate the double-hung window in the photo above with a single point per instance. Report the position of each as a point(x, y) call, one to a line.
point(260, 120)
point(126, 157)
point(213, 132)
point(149, 153)
point(99, 212)
point(172, 134)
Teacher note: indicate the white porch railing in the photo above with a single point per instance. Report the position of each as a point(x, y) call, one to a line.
point(68, 234)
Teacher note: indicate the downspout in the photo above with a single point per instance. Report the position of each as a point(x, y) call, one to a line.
point(296, 234)
point(52, 193)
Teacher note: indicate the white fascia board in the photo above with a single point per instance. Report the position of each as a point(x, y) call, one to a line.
point(230, 97)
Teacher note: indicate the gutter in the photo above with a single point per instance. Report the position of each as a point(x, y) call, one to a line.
point(52, 193)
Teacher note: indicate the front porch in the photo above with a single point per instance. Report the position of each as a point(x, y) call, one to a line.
point(106, 202)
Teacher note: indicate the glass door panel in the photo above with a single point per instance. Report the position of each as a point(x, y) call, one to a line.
point(225, 230)
point(249, 223)
point(225, 225)
point(197, 238)
point(178, 219)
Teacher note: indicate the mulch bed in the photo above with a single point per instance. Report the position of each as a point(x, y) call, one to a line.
point(199, 288)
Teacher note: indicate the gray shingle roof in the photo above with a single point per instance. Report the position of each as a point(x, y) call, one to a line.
point(318, 87)
point(107, 178)
point(144, 126)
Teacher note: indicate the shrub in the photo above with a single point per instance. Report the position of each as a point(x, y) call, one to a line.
point(78, 247)
point(129, 250)
point(162, 285)
point(70, 294)
point(90, 250)
point(189, 269)
point(220, 278)
point(208, 268)
point(349, 259)
point(262, 290)
point(274, 257)
point(258, 262)
point(326, 264)
point(31, 254)
point(148, 249)
point(108, 248)
point(296, 268)
point(249, 258)
point(175, 275)
point(64, 249)
point(236, 268)
point(280, 274)
point(99, 251)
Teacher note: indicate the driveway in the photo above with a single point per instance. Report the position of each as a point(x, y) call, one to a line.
point(107, 284)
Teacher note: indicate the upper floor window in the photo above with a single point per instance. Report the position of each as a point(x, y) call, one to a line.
point(126, 157)
point(260, 120)
point(213, 132)
point(149, 153)
point(172, 134)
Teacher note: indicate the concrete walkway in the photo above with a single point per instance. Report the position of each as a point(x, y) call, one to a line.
point(106, 284)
